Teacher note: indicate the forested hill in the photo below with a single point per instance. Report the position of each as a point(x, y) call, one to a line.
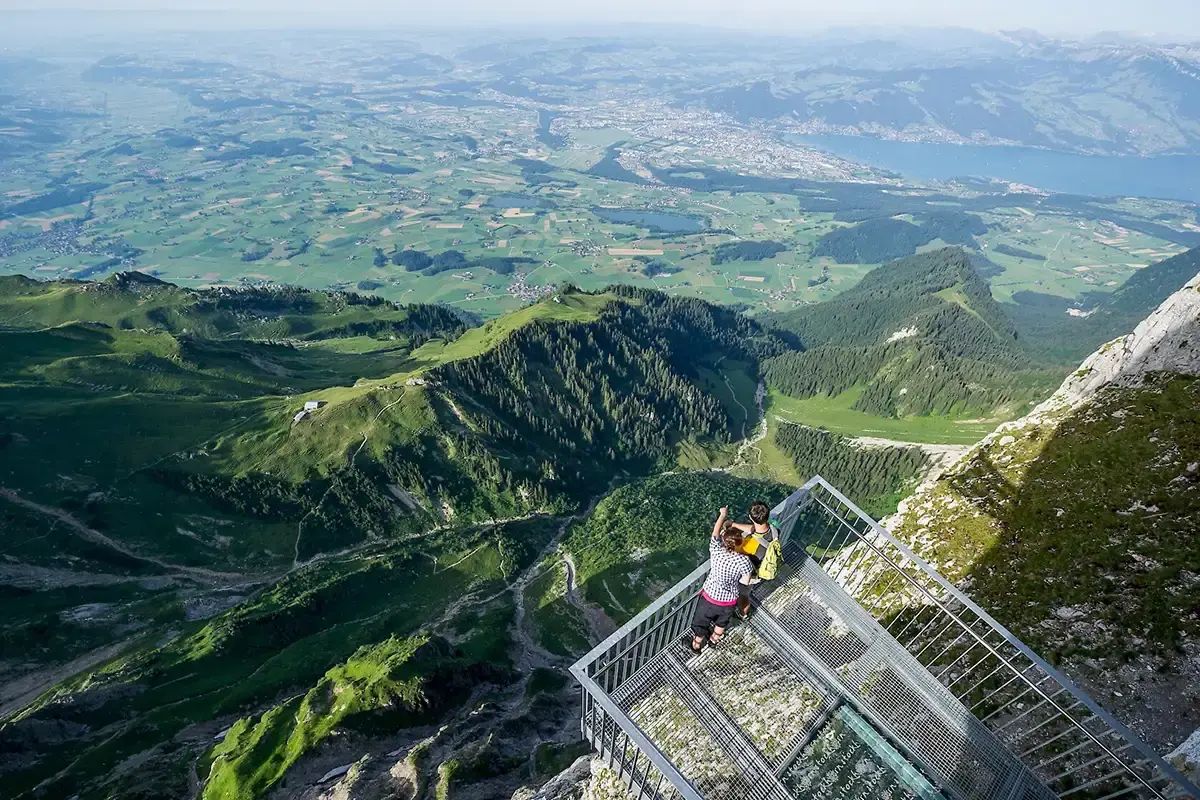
point(919, 335)
point(160, 462)
point(1047, 327)
point(616, 392)
point(936, 295)
point(132, 300)
point(251, 534)
point(188, 400)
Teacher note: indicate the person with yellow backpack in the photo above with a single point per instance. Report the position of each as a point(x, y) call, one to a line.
point(761, 544)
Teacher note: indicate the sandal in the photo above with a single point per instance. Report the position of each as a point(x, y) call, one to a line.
point(690, 643)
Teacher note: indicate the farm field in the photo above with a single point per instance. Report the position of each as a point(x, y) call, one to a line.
point(836, 414)
point(355, 383)
point(242, 176)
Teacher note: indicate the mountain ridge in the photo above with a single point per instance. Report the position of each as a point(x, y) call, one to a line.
point(921, 335)
point(414, 501)
point(398, 546)
point(1067, 331)
point(1075, 525)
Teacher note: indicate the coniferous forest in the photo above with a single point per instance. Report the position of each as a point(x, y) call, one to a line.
point(921, 335)
point(873, 477)
point(619, 390)
point(360, 375)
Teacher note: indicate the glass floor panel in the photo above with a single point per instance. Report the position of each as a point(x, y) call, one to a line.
point(848, 760)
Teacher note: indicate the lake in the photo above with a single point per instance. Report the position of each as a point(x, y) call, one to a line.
point(551, 140)
point(655, 220)
point(1174, 177)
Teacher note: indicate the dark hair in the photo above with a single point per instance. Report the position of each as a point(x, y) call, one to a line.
point(760, 512)
point(731, 537)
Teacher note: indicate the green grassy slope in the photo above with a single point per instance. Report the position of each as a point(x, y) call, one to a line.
point(339, 627)
point(567, 307)
point(153, 475)
point(391, 685)
point(170, 425)
point(837, 414)
point(131, 300)
point(1079, 534)
point(1074, 498)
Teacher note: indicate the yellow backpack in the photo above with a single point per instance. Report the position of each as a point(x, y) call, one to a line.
point(769, 554)
point(771, 560)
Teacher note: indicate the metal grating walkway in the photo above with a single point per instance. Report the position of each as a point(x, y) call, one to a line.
point(845, 684)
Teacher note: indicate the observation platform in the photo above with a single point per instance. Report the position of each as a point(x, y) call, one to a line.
point(861, 674)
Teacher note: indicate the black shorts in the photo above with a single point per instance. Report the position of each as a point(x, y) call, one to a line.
point(709, 615)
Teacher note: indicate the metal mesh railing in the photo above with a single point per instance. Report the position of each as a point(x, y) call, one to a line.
point(1073, 746)
point(861, 674)
point(808, 613)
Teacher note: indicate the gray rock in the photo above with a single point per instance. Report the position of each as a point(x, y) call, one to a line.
point(1166, 341)
point(336, 772)
point(1186, 757)
point(569, 784)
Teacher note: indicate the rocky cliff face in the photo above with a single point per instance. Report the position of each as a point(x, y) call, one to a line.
point(1078, 526)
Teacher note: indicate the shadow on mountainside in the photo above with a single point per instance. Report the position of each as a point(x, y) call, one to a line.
point(1095, 565)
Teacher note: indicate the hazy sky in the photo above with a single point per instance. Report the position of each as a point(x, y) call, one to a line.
point(1175, 17)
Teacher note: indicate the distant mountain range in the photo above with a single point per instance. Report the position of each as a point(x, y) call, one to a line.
point(1106, 94)
point(1100, 96)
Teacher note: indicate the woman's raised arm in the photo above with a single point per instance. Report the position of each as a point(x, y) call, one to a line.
point(720, 522)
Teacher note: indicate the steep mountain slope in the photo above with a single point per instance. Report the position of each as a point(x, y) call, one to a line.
point(95, 414)
point(876, 84)
point(646, 535)
point(380, 644)
point(919, 335)
point(183, 406)
point(156, 475)
point(1077, 525)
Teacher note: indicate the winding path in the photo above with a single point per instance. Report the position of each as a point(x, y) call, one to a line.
point(600, 625)
point(96, 537)
point(531, 651)
point(760, 432)
point(733, 394)
point(300, 525)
